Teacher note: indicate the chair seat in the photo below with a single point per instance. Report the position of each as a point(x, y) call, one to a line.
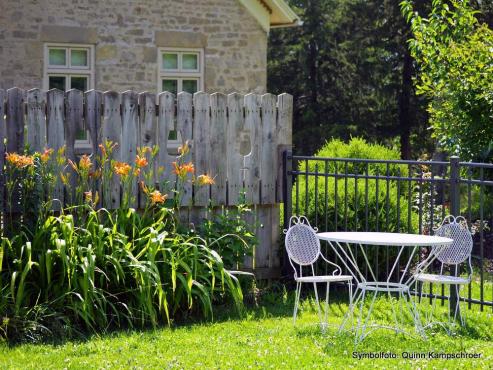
point(443, 279)
point(323, 279)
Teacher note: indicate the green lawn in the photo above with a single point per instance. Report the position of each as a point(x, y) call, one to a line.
point(265, 338)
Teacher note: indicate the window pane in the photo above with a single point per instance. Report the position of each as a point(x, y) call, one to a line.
point(171, 86)
point(79, 83)
point(79, 58)
point(81, 135)
point(56, 82)
point(170, 61)
point(190, 86)
point(57, 57)
point(190, 61)
point(173, 135)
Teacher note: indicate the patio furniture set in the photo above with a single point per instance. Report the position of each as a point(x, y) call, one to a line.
point(449, 247)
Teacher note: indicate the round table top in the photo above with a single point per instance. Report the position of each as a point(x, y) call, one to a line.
point(376, 238)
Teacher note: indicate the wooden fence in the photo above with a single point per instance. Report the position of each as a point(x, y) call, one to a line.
point(238, 139)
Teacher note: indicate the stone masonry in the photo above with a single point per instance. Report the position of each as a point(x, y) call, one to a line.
point(127, 34)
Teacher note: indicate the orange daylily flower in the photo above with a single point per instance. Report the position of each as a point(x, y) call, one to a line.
point(85, 163)
point(181, 170)
point(122, 169)
point(141, 161)
point(45, 157)
point(19, 161)
point(157, 197)
point(205, 180)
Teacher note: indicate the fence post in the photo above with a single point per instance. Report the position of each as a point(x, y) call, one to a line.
point(287, 187)
point(455, 211)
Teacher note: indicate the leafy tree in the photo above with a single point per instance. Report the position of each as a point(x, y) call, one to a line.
point(454, 53)
point(351, 72)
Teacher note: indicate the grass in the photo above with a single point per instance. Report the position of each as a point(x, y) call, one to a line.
point(265, 338)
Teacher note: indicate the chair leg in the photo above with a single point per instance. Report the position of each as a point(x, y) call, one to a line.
point(358, 327)
point(457, 306)
point(429, 320)
point(351, 308)
point(318, 304)
point(296, 301)
point(352, 304)
point(415, 313)
point(326, 321)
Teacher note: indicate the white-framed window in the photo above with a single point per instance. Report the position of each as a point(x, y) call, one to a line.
point(69, 66)
point(180, 69)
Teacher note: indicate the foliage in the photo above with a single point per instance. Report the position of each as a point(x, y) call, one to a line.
point(90, 269)
point(229, 234)
point(350, 73)
point(353, 204)
point(453, 51)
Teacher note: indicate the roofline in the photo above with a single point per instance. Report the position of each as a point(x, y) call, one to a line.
point(288, 13)
point(272, 13)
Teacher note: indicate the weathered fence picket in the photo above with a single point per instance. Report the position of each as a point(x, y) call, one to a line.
point(92, 114)
point(36, 124)
point(73, 123)
point(234, 152)
point(130, 135)
point(284, 134)
point(201, 147)
point(268, 145)
point(111, 133)
point(184, 127)
point(218, 144)
point(166, 123)
point(15, 120)
point(55, 136)
point(235, 139)
point(250, 138)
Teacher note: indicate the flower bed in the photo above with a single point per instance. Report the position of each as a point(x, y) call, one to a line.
point(79, 266)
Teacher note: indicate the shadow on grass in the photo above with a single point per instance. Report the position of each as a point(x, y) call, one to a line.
point(276, 301)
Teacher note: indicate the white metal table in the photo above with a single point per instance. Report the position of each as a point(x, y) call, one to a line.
point(352, 247)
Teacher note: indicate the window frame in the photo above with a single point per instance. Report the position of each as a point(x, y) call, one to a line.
point(68, 72)
point(180, 74)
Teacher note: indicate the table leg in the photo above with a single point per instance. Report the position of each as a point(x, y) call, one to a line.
point(352, 304)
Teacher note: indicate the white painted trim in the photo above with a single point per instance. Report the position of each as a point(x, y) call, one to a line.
point(180, 75)
point(90, 70)
point(69, 72)
point(272, 13)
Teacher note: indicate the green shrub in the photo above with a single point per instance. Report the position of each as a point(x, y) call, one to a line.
point(355, 204)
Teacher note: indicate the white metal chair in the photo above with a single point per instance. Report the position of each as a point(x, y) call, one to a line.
point(452, 256)
point(303, 249)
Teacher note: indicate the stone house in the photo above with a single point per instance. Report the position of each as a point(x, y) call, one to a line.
point(146, 45)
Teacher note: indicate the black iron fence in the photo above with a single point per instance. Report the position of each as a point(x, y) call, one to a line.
point(349, 194)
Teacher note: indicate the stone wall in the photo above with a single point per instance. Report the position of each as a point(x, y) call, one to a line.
point(126, 35)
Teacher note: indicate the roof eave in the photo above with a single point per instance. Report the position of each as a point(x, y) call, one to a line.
point(290, 18)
